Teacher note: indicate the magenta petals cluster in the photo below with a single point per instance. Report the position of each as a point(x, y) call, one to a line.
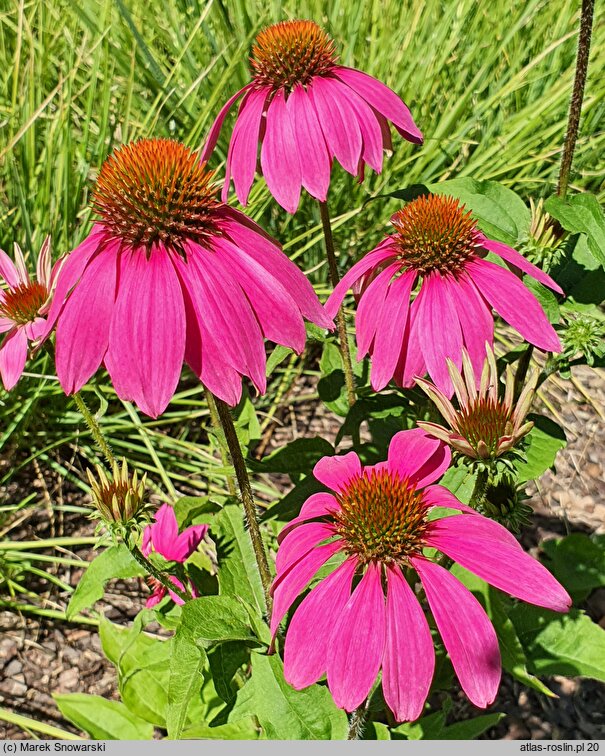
point(364, 617)
point(164, 538)
point(23, 308)
point(305, 110)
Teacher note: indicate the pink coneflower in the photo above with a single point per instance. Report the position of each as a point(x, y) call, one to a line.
point(170, 274)
point(306, 110)
point(23, 308)
point(438, 248)
point(377, 521)
point(164, 538)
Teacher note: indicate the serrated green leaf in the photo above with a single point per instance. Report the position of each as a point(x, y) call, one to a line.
point(284, 713)
point(545, 439)
point(102, 719)
point(187, 661)
point(581, 213)
point(215, 619)
point(577, 561)
point(114, 562)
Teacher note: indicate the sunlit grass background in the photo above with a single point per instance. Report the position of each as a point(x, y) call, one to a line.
point(488, 83)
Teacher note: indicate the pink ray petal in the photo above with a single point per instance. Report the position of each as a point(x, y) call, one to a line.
point(13, 355)
point(44, 264)
point(514, 303)
point(299, 542)
point(439, 331)
point(309, 631)
point(467, 632)
point(315, 161)
point(317, 505)
point(370, 307)
point(390, 330)
point(6, 324)
point(415, 455)
point(215, 129)
point(497, 561)
point(411, 362)
point(8, 271)
point(335, 472)
point(371, 132)
point(244, 143)
point(147, 332)
point(83, 328)
point(382, 99)
point(34, 330)
point(374, 258)
point(439, 496)
point(279, 155)
point(511, 256)
point(287, 586)
point(164, 531)
point(409, 657)
point(357, 642)
point(187, 542)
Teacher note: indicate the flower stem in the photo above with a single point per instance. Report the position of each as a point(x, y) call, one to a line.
point(157, 574)
point(94, 428)
point(340, 317)
point(577, 96)
point(479, 490)
point(241, 473)
point(357, 721)
point(215, 421)
point(521, 373)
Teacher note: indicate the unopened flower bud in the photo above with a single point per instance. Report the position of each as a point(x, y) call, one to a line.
point(120, 499)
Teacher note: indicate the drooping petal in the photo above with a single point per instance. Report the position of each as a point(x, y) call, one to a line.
point(492, 557)
point(44, 264)
point(382, 99)
point(415, 455)
point(371, 132)
point(309, 631)
point(390, 330)
point(147, 544)
point(147, 332)
point(381, 254)
point(409, 657)
point(276, 311)
point(34, 330)
point(299, 542)
point(187, 542)
point(313, 154)
point(8, 271)
point(317, 505)
point(279, 155)
point(439, 331)
point(215, 129)
point(20, 265)
point(510, 255)
point(13, 355)
point(514, 303)
point(164, 531)
point(357, 642)
point(158, 594)
point(439, 496)
point(370, 307)
point(244, 143)
point(338, 121)
point(83, 327)
point(335, 472)
point(287, 586)
point(411, 362)
point(467, 632)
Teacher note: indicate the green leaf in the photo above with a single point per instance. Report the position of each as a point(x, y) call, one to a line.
point(237, 574)
point(545, 297)
point(376, 731)
point(245, 729)
point(284, 713)
point(247, 425)
point(581, 213)
point(277, 356)
point(460, 481)
point(433, 727)
point(226, 662)
point(191, 510)
point(331, 386)
point(543, 442)
point(186, 677)
point(561, 644)
point(297, 457)
point(384, 413)
point(215, 619)
point(578, 562)
point(114, 562)
point(102, 719)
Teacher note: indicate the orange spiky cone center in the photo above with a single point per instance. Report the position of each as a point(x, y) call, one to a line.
point(484, 420)
point(382, 518)
point(435, 233)
point(290, 53)
point(23, 303)
point(156, 191)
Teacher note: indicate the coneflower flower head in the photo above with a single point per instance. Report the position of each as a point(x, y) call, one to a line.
point(305, 110)
point(485, 425)
point(119, 498)
point(169, 274)
point(24, 304)
point(438, 251)
point(375, 526)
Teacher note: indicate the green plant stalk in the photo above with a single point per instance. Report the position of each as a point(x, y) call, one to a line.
point(220, 434)
point(341, 323)
point(357, 721)
point(46, 543)
point(94, 428)
point(241, 473)
point(157, 574)
point(30, 724)
point(577, 96)
point(522, 368)
point(480, 488)
point(50, 613)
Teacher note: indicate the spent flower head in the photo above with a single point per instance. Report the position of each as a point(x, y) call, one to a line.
point(485, 425)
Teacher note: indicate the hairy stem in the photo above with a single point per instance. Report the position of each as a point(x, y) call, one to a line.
point(577, 96)
point(243, 481)
point(357, 721)
point(215, 421)
point(340, 317)
point(522, 368)
point(479, 490)
point(155, 573)
point(94, 428)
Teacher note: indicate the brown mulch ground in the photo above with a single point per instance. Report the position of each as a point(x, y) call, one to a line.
point(42, 657)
